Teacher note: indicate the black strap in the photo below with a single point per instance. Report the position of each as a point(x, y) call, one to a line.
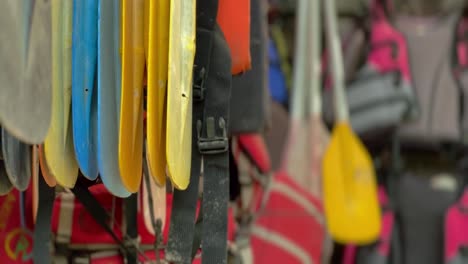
point(197, 238)
point(184, 205)
point(131, 212)
point(214, 146)
point(42, 248)
point(182, 224)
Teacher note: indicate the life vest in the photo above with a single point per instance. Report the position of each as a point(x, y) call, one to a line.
point(394, 245)
point(397, 62)
point(456, 232)
point(234, 20)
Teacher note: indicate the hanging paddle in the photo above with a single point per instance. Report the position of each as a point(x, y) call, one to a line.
point(318, 133)
point(25, 97)
point(58, 145)
point(157, 66)
point(131, 102)
point(349, 184)
point(179, 95)
point(294, 160)
point(108, 97)
point(84, 53)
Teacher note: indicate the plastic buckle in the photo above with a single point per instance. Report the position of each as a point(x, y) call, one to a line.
point(199, 84)
point(212, 144)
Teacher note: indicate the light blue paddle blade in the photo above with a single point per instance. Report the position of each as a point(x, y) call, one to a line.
point(84, 94)
point(17, 159)
point(108, 97)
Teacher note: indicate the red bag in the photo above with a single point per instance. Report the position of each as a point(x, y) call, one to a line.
point(17, 240)
point(290, 228)
point(289, 225)
point(70, 216)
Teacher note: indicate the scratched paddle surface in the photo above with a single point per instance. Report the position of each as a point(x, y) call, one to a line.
point(25, 96)
point(17, 159)
point(84, 103)
point(108, 97)
point(58, 145)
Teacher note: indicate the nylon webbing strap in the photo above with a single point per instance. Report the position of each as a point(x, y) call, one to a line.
point(214, 145)
point(131, 212)
point(181, 229)
point(42, 230)
point(182, 224)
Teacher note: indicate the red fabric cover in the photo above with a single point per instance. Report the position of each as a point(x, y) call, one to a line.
point(287, 218)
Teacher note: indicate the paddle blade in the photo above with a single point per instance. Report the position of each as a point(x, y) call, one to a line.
point(131, 106)
point(179, 94)
point(157, 84)
point(350, 191)
point(58, 145)
point(84, 62)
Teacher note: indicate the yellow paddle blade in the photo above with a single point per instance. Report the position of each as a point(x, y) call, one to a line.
point(146, 25)
point(179, 95)
point(158, 41)
point(349, 188)
point(131, 104)
point(58, 145)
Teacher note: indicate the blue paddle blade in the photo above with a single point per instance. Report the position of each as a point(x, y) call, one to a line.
point(84, 95)
point(108, 97)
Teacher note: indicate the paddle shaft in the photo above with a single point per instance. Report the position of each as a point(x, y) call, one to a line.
point(315, 32)
point(341, 106)
point(300, 61)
